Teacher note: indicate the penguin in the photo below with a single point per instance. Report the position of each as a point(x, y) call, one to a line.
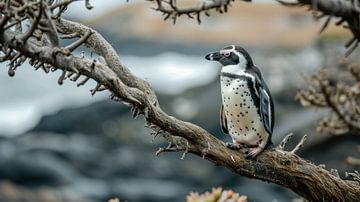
point(247, 110)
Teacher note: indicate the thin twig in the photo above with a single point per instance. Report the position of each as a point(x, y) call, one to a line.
point(282, 145)
point(299, 145)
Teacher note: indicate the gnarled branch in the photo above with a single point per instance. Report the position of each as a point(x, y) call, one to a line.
point(171, 10)
point(326, 90)
point(277, 166)
point(348, 11)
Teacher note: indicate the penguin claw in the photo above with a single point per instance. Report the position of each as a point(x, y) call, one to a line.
point(233, 146)
point(252, 152)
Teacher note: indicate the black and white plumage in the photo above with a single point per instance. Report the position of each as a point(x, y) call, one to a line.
point(247, 111)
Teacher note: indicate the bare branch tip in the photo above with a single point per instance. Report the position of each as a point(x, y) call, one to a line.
point(186, 151)
point(283, 143)
point(300, 144)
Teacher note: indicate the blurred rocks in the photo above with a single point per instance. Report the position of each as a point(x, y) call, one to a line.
point(97, 152)
point(13, 193)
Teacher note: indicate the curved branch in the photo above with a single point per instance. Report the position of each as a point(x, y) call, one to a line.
point(348, 11)
point(97, 44)
point(338, 8)
point(277, 166)
point(284, 168)
point(171, 10)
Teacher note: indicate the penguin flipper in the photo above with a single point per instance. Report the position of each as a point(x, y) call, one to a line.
point(266, 110)
point(223, 121)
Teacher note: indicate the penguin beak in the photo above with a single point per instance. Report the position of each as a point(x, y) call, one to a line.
point(216, 56)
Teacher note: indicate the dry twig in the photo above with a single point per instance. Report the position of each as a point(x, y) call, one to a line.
point(347, 12)
point(283, 168)
point(325, 90)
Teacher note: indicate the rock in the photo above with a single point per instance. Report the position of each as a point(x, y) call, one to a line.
point(34, 168)
point(10, 192)
point(78, 119)
point(98, 151)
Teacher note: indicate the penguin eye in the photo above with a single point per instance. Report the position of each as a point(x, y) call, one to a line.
point(227, 54)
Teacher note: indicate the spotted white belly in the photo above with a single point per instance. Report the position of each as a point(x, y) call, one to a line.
point(243, 120)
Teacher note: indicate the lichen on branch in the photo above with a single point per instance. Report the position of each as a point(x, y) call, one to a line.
point(41, 46)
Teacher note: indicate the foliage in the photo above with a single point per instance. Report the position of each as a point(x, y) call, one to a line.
point(339, 92)
point(216, 195)
point(35, 31)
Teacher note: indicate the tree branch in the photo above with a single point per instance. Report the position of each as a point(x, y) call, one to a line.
point(277, 166)
point(348, 12)
point(171, 10)
point(326, 90)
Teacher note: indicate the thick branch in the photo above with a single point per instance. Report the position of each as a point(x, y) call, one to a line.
point(283, 168)
point(347, 10)
point(277, 166)
point(97, 44)
point(338, 8)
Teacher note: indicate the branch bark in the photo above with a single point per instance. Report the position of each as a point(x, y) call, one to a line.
point(348, 12)
point(276, 165)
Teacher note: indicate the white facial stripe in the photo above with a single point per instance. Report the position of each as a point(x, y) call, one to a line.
point(225, 51)
point(242, 60)
point(238, 54)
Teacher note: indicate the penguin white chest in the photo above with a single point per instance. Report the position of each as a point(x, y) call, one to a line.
point(242, 111)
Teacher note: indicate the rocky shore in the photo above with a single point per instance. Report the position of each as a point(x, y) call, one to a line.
point(94, 152)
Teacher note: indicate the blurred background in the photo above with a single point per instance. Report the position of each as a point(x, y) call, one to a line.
point(57, 143)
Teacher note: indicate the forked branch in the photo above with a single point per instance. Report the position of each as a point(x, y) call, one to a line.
point(277, 166)
point(346, 11)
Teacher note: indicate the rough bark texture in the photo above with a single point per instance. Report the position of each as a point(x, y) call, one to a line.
point(276, 165)
point(347, 11)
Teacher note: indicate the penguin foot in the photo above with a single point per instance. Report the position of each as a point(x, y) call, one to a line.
point(253, 152)
point(233, 146)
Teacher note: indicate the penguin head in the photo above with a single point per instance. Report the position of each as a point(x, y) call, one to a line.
point(231, 55)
